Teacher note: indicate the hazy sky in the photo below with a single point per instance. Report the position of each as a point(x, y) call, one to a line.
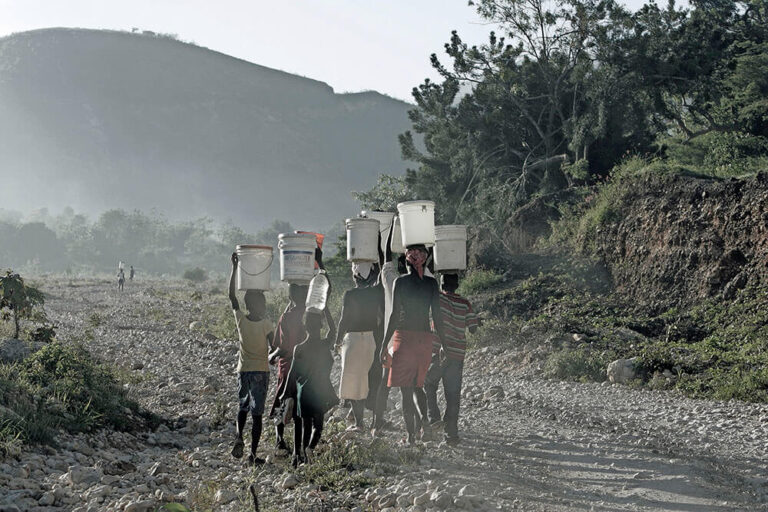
point(352, 45)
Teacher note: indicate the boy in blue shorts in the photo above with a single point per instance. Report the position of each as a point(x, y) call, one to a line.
point(256, 334)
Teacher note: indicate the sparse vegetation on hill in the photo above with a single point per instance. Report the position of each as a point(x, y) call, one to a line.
point(61, 387)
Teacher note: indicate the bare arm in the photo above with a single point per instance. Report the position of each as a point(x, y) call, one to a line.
point(392, 324)
point(232, 294)
point(437, 315)
point(342, 322)
point(331, 324)
point(388, 248)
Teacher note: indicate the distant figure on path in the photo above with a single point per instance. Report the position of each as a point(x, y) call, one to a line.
point(309, 384)
point(415, 296)
point(120, 279)
point(360, 326)
point(131, 274)
point(448, 365)
point(256, 334)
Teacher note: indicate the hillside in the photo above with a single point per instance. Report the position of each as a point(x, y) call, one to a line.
point(100, 119)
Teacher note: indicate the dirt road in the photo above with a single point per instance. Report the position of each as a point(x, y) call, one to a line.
point(529, 444)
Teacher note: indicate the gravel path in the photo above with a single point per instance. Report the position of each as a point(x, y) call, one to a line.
point(529, 443)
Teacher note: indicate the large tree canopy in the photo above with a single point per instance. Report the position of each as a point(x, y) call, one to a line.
point(562, 91)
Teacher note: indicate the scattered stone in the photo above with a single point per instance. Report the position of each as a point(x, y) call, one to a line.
point(83, 475)
point(224, 496)
point(622, 371)
point(289, 482)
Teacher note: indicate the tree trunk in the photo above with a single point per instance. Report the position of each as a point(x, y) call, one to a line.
point(16, 324)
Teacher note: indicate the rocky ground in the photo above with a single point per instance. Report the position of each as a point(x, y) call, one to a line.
point(528, 443)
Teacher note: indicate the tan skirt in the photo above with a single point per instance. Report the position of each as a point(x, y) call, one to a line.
point(357, 353)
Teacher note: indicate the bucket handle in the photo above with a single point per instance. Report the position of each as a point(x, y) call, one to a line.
point(240, 266)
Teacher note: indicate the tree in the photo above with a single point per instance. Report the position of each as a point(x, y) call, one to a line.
point(510, 113)
point(18, 300)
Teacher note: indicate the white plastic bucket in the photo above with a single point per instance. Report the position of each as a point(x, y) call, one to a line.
point(362, 239)
point(450, 247)
point(254, 263)
point(397, 238)
point(385, 224)
point(417, 222)
point(297, 257)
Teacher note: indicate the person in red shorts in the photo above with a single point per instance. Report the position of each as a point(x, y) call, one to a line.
point(415, 296)
point(457, 316)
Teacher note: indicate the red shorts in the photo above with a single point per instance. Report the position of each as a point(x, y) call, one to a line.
point(412, 353)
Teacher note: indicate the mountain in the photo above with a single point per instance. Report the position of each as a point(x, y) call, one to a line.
point(99, 119)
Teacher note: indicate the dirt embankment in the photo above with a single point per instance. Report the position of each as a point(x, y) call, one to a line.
point(679, 239)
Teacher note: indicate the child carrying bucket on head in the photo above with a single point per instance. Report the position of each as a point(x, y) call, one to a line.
point(256, 334)
point(290, 332)
point(309, 384)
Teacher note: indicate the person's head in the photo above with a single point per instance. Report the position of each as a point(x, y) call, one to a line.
point(450, 282)
point(313, 323)
point(365, 274)
point(298, 293)
point(401, 265)
point(256, 303)
point(416, 258)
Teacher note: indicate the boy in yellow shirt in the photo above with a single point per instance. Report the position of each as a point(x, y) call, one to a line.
point(256, 334)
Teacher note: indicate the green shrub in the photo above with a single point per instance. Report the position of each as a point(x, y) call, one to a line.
point(576, 364)
point(196, 275)
point(479, 280)
point(62, 387)
point(44, 334)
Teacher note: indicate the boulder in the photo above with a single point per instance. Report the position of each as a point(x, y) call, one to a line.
point(13, 350)
point(622, 371)
point(494, 393)
point(290, 482)
point(83, 475)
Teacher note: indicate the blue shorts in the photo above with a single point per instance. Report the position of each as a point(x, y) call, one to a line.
point(252, 391)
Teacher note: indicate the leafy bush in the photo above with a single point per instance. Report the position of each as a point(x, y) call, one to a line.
point(62, 387)
point(196, 275)
point(19, 301)
point(44, 334)
point(576, 364)
point(479, 280)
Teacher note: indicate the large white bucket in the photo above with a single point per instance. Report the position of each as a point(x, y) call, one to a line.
point(297, 257)
point(417, 222)
point(362, 239)
point(450, 247)
point(397, 237)
point(385, 224)
point(254, 263)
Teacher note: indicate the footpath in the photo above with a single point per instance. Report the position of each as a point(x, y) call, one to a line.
point(528, 443)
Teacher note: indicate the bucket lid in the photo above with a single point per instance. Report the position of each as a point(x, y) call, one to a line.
point(252, 246)
point(363, 220)
point(447, 230)
point(319, 237)
point(407, 205)
point(298, 236)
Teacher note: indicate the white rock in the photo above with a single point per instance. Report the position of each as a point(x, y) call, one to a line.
point(289, 482)
point(83, 475)
point(140, 506)
point(47, 499)
point(622, 371)
point(224, 496)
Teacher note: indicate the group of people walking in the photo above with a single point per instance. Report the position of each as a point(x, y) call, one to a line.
point(397, 329)
point(121, 276)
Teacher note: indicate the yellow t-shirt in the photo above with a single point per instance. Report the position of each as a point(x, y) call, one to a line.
point(254, 347)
